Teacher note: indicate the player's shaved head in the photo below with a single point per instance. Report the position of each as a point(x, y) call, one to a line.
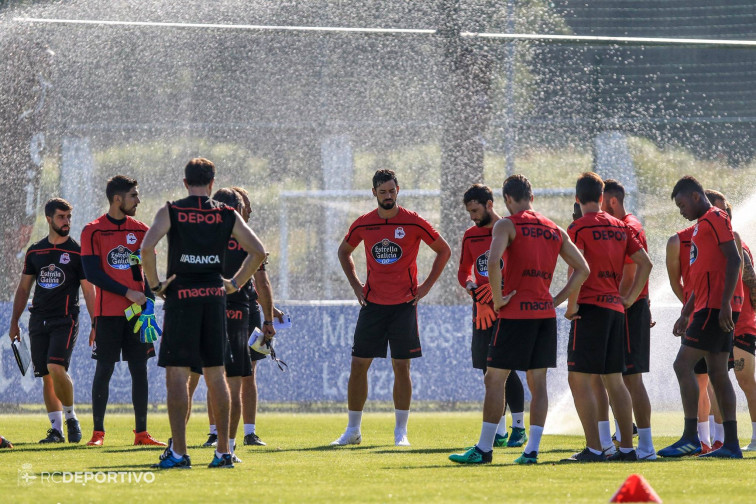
point(687, 186)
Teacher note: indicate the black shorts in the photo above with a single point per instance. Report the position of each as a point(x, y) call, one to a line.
point(638, 319)
point(255, 320)
point(115, 337)
point(746, 342)
point(52, 341)
point(237, 361)
point(381, 326)
point(523, 344)
point(598, 341)
point(702, 368)
point(194, 335)
point(704, 332)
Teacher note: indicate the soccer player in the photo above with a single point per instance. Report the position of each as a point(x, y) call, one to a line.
point(107, 246)
point(597, 333)
point(388, 299)
point(526, 331)
point(473, 276)
point(714, 270)
point(638, 318)
point(198, 229)
point(54, 264)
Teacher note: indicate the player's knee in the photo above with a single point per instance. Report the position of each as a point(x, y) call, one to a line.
point(56, 370)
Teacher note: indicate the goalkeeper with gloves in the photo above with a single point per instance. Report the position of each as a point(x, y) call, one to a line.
point(473, 276)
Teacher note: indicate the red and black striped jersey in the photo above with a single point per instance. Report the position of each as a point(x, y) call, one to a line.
point(473, 261)
point(57, 272)
point(684, 237)
point(635, 226)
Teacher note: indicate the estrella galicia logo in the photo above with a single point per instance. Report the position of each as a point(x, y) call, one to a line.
point(386, 252)
point(118, 258)
point(51, 277)
point(65, 258)
point(693, 252)
point(481, 263)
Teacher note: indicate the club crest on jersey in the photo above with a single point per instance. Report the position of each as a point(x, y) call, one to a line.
point(693, 253)
point(118, 258)
point(131, 238)
point(386, 252)
point(481, 264)
point(51, 277)
point(399, 233)
point(65, 258)
point(695, 230)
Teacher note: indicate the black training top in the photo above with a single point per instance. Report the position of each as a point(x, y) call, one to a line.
point(57, 271)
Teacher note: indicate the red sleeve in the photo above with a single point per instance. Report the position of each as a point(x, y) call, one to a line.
point(572, 231)
point(428, 233)
point(464, 273)
point(87, 247)
point(722, 228)
point(633, 244)
point(28, 266)
point(632, 232)
point(354, 235)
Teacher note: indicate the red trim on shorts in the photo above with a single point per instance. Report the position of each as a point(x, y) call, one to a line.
point(414, 350)
point(67, 304)
point(574, 336)
point(627, 333)
point(70, 332)
point(498, 328)
point(706, 321)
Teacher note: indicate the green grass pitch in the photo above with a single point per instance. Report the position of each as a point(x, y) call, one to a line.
point(298, 466)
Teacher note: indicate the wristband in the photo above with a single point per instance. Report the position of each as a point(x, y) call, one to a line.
point(157, 287)
point(233, 282)
point(268, 322)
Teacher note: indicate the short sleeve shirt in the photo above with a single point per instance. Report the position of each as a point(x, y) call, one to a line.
point(684, 237)
point(391, 247)
point(473, 261)
point(707, 263)
point(57, 273)
point(635, 226)
point(746, 323)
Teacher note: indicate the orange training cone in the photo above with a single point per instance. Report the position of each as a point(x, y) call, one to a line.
point(635, 489)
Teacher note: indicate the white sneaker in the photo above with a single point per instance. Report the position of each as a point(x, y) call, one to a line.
point(349, 437)
point(609, 450)
point(642, 455)
point(750, 447)
point(401, 440)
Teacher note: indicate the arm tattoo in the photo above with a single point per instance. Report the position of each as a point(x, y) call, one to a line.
point(749, 276)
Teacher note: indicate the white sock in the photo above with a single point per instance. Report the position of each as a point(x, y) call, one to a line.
point(518, 420)
point(501, 430)
point(175, 455)
point(605, 434)
point(753, 431)
point(249, 428)
point(617, 432)
point(625, 450)
point(645, 443)
point(534, 439)
point(712, 429)
point(355, 420)
point(718, 433)
point(595, 452)
point(231, 444)
point(69, 412)
point(56, 420)
point(402, 416)
point(213, 429)
point(219, 454)
point(487, 434)
point(703, 433)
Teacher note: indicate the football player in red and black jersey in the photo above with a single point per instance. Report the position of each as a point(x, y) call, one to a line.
point(472, 274)
point(388, 298)
point(598, 337)
point(525, 337)
point(715, 265)
point(108, 244)
point(53, 265)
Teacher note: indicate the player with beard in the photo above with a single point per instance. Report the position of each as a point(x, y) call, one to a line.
point(54, 265)
point(473, 276)
point(526, 331)
point(108, 244)
point(388, 299)
point(715, 264)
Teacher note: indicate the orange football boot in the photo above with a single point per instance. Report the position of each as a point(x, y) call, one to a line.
point(144, 439)
point(98, 437)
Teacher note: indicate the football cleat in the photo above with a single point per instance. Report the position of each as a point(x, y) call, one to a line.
point(253, 440)
point(401, 440)
point(235, 459)
point(500, 441)
point(724, 452)
point(167, 452)
point(98, 438)
point(518, 437)
point(527, 458)
point(585, 456)
point(645, 455)
point(635, 435)
point(609, 450)
point(74, 430)
point(53, 436)
point(144, 439)
point(704, 448)
point(619, 456)
point(212, 440)
point(348, 438)
point(4, 443)
point(750, 447)
point(472, 456)
point(681, 448)
point(225, 461)
point(717, 445)
point(172, 462)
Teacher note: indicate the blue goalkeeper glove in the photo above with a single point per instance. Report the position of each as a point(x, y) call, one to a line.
point(149, 331)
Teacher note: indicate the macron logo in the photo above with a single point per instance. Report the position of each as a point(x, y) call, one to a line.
point(197, 259)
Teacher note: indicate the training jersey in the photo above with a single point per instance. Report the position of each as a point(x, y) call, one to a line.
point(473, 261)
point(197, 242)
point(684, 237)
point(57, 272)
point(235, 256)
point(746, 323)
point(707, 263)
point(605, 241)
point(113, 242)
point(531, 259)
point(635, 226)
point(391, 247)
